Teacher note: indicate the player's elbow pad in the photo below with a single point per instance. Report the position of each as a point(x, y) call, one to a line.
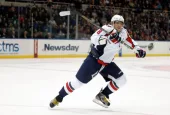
point(102, 40)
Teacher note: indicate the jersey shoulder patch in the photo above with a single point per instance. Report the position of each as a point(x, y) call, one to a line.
point(108, 28)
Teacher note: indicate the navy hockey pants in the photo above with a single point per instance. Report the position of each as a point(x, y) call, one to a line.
point(90, 68)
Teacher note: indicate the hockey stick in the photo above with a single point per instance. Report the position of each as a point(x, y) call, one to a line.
point(67, 13)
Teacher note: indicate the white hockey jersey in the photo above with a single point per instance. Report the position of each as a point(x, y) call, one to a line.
point(111, 48)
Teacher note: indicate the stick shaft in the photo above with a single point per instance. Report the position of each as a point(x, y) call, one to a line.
point(84, 17)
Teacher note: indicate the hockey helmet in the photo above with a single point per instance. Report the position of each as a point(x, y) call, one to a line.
point(117, 18)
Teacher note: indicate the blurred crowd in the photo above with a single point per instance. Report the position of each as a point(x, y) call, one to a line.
point(144, 19)
point(145, 4)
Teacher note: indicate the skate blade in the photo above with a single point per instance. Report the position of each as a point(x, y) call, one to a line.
point(99, 103)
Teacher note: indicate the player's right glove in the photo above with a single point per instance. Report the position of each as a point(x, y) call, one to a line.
point(140, 53)
point(114, 37)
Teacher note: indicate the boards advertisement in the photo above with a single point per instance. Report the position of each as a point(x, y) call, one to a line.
point(45, 48)
point(16, 48)
point(63, 48)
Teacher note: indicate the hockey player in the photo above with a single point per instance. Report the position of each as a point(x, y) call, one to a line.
point(100, 60)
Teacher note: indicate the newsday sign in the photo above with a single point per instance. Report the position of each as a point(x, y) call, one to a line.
point(65, 48)
point(29, 48)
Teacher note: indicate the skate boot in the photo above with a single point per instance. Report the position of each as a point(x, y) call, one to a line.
point(102, 100)
point(56, 101)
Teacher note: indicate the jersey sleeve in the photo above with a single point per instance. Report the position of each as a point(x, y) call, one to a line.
point(128, 41)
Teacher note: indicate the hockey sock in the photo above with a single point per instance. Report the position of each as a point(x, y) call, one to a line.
point(66, 89)
point(110, 88)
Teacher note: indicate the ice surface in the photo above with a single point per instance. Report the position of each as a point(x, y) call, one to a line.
point(28, 85)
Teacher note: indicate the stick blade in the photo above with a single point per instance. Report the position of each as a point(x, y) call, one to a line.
point(64, 13)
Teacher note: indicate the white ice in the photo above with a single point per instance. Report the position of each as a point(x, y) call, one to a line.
point(28, 85)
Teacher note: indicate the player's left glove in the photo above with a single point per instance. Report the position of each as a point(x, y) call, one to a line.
point(140, 53)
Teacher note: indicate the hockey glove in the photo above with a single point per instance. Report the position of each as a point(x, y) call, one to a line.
point(140, 53)
point(114, 37)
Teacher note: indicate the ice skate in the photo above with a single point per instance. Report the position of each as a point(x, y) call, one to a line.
point(55, 101)
point(102, 100)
